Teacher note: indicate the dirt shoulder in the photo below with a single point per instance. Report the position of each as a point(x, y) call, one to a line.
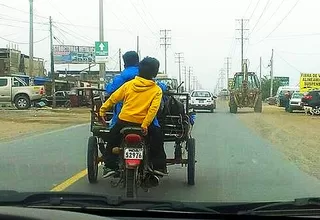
point(18, 123)
point(295, 134)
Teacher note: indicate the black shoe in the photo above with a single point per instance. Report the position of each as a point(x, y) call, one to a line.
point(107, 172)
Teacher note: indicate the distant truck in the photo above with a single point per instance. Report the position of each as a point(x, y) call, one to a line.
point(15, 90)
point(171, 83)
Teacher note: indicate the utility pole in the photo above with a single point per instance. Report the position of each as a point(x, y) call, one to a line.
point(31, 40)
point(222, 79)
point(102, 66)
point(53, 88)
point(194, 80)
point(260, 72)
point(189, 74)
point(179, 57)
point(185, 78)
point(138, 46)
point(271, 74)
point(228, 67)
point(166, 43)
point(120, 59)
point(242, 38)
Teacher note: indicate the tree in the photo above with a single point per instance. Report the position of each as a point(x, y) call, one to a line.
point(266, 84)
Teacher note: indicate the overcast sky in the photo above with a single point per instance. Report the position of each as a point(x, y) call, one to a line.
point(204, 30)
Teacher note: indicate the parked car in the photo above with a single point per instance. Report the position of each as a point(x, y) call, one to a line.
point(312, 99)
point(203, 100)
point(15, 90)
point(281, 92)
point(271, 100)
point(295, 102)
point(62, 99)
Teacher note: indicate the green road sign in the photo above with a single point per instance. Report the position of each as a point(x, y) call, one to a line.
point(284, 81)
point(101, 48)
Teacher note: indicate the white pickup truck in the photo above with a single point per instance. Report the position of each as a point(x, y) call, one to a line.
point(15, 90)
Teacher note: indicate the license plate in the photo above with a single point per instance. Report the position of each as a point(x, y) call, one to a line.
point(133, 153)
point(201, 101)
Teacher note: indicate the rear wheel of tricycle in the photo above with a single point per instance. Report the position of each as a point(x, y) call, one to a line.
point(92, 159)
point(191, 146)
point(131, 181)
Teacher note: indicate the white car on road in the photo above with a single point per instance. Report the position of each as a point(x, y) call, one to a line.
point(295, 102)
point(203, 100)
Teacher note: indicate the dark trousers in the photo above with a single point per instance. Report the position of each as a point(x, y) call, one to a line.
point(155, 139)
point(287, 104)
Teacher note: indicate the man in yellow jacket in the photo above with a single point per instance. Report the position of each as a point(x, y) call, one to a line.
point(141, 101)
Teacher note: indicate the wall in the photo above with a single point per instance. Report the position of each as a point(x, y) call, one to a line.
point(38, 66)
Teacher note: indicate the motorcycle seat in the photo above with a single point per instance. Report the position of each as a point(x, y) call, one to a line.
point(131, 130)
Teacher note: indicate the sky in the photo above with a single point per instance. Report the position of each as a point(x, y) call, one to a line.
point(204, 30)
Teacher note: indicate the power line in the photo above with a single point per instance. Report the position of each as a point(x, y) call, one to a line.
point(150, 13)
point(299, 53)
point(254, 10)
point(280, 22)
point(57, 22)
point(64, 36)
point(59, 12)
point(247, 9)
point(64, 17)
point(15, 26)
point(142, 18)
point(1, 4)
point(287, 62)
point(265, 7)
point(20, 21)
point(76, 35)
point(11, 41)
point(272, 15)
point(123, 23)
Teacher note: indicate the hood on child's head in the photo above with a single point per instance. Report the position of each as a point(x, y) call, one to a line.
point(140, 84)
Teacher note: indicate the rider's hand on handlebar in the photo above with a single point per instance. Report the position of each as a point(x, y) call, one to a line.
point(103, 120)
point(144, 131)
point(102, 115)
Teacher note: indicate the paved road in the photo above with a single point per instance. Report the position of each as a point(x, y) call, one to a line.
point(233, 165)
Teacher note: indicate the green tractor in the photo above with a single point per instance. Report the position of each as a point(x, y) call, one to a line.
point(245, 91)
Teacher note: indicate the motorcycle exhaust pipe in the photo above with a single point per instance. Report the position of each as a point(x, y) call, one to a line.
point(151, 180)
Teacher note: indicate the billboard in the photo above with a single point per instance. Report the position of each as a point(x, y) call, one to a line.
point(284, 81)
point(69, 54)
point(309, 81)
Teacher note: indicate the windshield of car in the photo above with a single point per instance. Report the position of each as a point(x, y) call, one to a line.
point(201, 94)
point(226, 141)
point(171, 83)
point(297, 95)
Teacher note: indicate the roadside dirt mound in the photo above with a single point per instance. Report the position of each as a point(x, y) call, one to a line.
point(17, 123)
